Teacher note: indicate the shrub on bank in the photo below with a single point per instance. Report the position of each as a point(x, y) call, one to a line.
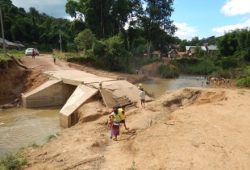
point(167, 71)
point(111, 54)
point(12, 162)
point(244, 80)
point(229, 62)
point(229, 74)
point(195, 66)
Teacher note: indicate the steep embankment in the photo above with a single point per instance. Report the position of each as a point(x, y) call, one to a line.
point(15, 80)
point(186, 129)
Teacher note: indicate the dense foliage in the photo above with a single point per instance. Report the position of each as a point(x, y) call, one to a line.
point(37, 29)
point(196, 66)
point(168, 71)
point(116, 34)
point(133, 26)
point(147, 29)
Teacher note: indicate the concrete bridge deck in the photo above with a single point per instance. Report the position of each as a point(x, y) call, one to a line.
point(72, 88)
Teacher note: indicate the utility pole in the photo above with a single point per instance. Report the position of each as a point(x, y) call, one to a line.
point(1, 19)
point(60, 40)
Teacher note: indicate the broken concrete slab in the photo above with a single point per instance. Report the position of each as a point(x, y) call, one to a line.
point(79, 97)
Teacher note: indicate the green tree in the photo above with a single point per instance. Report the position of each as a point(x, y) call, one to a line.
point(156, 19)
point(105, 18)
point(85, 39)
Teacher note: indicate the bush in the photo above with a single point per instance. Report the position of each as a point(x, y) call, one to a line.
point(204, 67)
point(50, 137)
point(229, 62)
point(167, 71)
point(244, 80)
point(246, 54)
point(12, 162)
point(85, 39)
point(229, 74)
point(99, 48)
point(112, 54)
point(195, 66)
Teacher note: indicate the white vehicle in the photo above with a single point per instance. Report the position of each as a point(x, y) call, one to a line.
point(29, 51)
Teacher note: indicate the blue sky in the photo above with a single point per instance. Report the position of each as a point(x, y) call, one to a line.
point(202, 18)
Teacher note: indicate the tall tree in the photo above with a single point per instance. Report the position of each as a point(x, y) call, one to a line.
point(105, 18)
point(156, 19)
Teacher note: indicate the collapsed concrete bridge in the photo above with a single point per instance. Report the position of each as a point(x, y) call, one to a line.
point(72, 88)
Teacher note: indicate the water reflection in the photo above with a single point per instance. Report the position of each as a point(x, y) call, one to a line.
point(22, 127)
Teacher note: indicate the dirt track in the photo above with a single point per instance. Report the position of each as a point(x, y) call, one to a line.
point(44, 62)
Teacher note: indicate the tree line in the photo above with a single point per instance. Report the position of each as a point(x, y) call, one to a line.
point(145, 21)
point(112, 31)
point(38, 29)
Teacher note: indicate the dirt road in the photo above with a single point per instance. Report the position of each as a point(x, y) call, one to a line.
point(44, 62)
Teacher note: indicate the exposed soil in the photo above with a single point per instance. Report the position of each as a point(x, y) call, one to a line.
point(187, 129)
point(16, 80)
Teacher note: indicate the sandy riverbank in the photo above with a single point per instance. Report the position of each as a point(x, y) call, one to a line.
point(186, 129)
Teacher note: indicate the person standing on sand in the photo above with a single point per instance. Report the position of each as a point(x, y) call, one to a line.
point(121, 113)
point(115, 123)
point(33, 53)
point(54, 59)
point(142, 97)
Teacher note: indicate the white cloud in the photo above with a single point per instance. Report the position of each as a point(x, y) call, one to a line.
point(236, 7)
point(227, 28)
point(185, 31)
point(54, 8)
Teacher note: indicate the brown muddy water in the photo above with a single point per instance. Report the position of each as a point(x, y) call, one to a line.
point(20, 127)
point(157, 87)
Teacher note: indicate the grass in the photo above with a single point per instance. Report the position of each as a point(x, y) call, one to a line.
point(15, 53)
point(66, 55)
point(33, 145)
point(12, 162)
point(244, 80)
point(133, 167)
point(50, 137)
point(167, 71)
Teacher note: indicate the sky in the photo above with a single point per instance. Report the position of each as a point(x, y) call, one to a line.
point(201, 18)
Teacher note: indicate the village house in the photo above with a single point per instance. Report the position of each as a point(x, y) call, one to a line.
point(190, 50)
point(172, 54)
point(156, 54)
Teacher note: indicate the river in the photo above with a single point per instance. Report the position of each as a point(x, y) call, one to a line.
point(20, 127)
point(157, 87)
